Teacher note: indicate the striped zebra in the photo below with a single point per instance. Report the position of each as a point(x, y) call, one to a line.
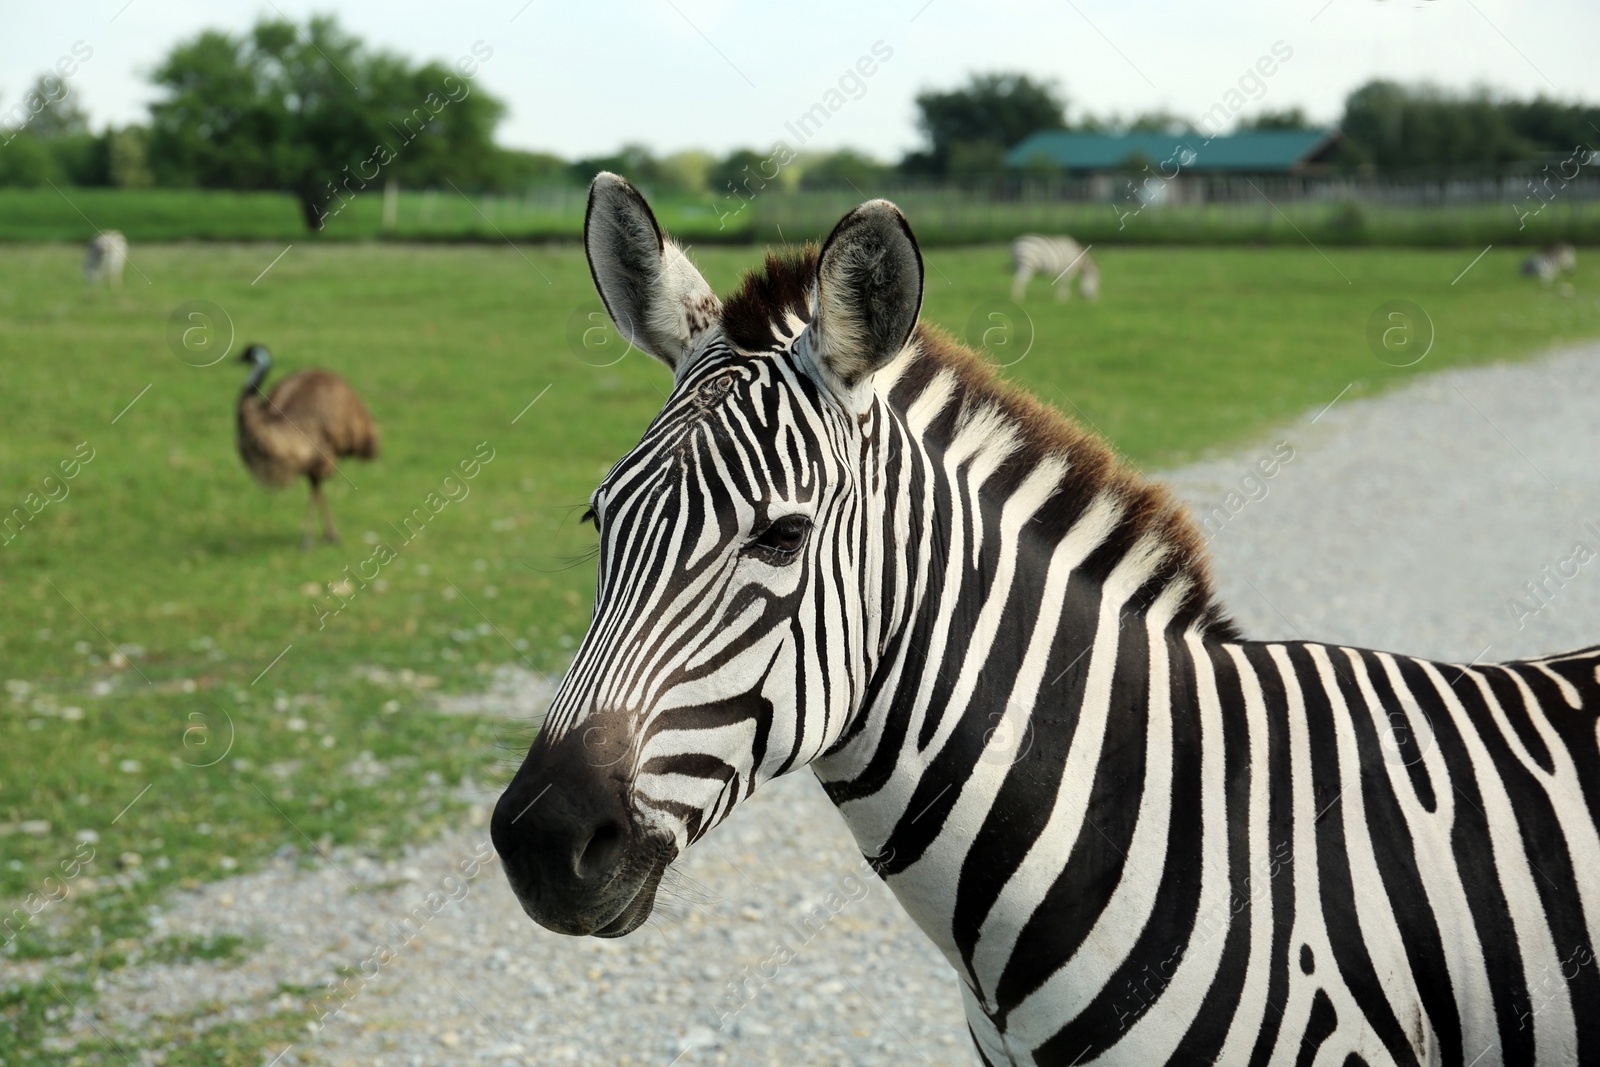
point(1059, 258)
point(1136, 837)
point(1551, 262)
point(105, 257)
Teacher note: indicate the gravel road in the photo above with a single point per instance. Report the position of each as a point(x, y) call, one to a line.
point(1408, 522)
point(1415, 521)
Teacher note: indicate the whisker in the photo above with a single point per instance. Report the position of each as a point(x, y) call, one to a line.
point(569, 509)
point(682, 899)
point(573, 561)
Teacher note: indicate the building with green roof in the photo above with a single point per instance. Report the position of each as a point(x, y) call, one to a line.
point(1245, 153)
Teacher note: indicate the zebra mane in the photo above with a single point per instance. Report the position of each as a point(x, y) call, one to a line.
point(756, 319)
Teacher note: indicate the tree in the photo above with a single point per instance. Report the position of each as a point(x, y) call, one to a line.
point(975, 159)
point(316, 113)
point(742, 173)
point(1553, 125)
point(1160, 121)
point(1293, 118)
point(514, 170)
point(25, 161)
point(845, 169)
point(56, 110)
point(46, 135)
point(991, 113)
point(689, 171)
point(1388, 126)
point(127, 157)
point(634, 162)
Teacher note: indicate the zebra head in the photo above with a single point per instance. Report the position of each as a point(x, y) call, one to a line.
point(735, 627)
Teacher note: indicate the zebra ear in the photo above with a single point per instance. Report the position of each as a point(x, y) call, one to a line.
point(869, 291)
point(659, 302)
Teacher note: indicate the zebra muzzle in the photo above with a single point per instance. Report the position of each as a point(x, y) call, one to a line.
point(571, 851)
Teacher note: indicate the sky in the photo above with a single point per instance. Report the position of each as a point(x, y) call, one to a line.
point(582, 79)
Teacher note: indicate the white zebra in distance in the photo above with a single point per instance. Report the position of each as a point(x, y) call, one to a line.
point(106, 256)
point(1551, 262)
point(1059, 258)
point(1136, 836)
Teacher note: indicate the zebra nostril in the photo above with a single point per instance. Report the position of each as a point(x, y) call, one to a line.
point(601, 853)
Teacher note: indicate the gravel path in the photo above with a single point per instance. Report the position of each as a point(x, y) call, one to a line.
point(1413, 522)
point(1406, 522)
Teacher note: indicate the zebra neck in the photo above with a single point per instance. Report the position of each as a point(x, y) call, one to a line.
point(1000, 536)
point(1020, 663)
point(993, 783)
point(980, 617)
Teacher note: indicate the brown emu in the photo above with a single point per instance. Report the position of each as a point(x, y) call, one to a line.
point(308, 421)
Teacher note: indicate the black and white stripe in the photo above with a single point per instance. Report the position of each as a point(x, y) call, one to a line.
point(104, 258)
point(1061, 259)
point(1551, 262)
point(1135, 836)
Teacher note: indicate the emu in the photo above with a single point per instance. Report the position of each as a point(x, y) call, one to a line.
point(310, 420)
point(107, 254)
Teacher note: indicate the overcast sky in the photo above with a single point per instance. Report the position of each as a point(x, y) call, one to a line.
point(583, 78)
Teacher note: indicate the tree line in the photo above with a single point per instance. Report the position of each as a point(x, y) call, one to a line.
point(313, 111)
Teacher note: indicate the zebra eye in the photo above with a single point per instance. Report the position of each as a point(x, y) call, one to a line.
point(591, 518)
point(784, 536)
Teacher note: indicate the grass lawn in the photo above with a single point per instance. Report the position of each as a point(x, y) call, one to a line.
point(188, 693)
point(70, 213)
point(943, 217)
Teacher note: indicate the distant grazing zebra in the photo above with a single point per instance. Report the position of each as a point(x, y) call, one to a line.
point(1058, 258)
point(1551, 262)
point(1136, 836)
point(106, 256)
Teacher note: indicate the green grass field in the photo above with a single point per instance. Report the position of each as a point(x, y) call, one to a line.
point(183, 696)
point(951, 217)
point(53, 214)
point(944, 217)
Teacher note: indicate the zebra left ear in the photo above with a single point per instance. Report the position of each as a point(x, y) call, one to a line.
point(869, 291)
point(659, 302)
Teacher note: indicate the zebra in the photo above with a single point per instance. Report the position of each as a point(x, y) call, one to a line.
point(1551, 262)
point(1061, 258)
point(105, 257)
point(1136, 836)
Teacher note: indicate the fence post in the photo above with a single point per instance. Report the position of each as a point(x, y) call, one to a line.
point(391, 204)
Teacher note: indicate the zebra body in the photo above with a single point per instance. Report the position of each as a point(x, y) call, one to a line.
point(1136, 837)
point(1060, 259)
point(105, 257)
point(1551, 263)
